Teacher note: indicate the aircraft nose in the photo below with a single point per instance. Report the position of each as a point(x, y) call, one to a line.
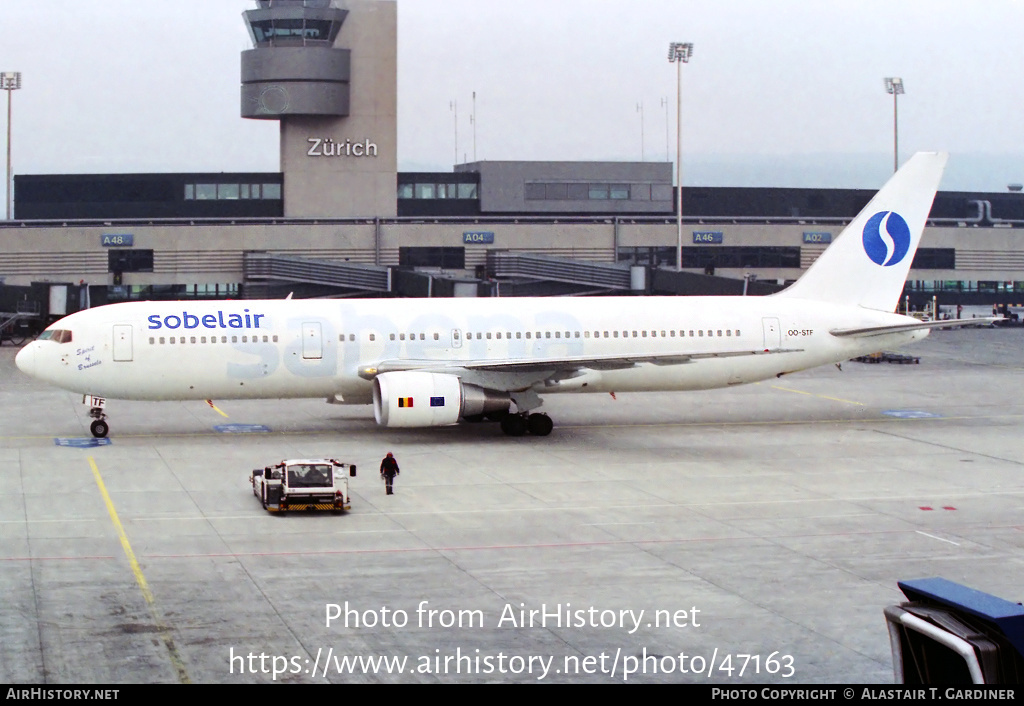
point(26, 359)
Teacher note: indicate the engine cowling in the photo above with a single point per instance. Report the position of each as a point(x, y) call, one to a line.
point(416, 399)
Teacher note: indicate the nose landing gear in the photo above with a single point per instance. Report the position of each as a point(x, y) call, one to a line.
point(99, 426)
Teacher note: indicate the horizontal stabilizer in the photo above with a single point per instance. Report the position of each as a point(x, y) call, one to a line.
point(914, 326)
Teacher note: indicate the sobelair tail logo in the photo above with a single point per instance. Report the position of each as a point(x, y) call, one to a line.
point(887, 238)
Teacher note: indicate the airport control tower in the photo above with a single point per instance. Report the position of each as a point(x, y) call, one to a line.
point(327, 70)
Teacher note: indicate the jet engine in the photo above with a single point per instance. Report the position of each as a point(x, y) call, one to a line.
point(417, 399)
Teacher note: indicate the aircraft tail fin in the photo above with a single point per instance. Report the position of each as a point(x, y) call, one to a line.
point(867, 265)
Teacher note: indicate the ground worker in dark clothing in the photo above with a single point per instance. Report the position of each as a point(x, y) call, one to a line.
point(388, 471)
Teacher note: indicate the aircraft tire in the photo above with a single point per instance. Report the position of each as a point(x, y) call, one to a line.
point(539, 424)
point(99, 429)
point(514, 425)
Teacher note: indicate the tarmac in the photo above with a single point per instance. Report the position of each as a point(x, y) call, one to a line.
point(743, 536)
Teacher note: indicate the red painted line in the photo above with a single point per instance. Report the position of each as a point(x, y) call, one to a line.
point(551, 545)
point(483, 548)
point(54, 558)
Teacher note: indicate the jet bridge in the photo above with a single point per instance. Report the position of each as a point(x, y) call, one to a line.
point(597, 276)
point(265, 270)
point(18, 325)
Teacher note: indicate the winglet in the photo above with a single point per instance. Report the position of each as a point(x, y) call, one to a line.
point(868, 263)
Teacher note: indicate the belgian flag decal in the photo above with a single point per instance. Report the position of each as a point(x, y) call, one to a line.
point(404, 402)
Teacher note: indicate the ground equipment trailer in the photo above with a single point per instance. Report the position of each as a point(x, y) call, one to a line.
point(307, 484)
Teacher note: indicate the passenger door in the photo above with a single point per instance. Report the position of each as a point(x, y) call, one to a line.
point(123, 352)
point(312, 341)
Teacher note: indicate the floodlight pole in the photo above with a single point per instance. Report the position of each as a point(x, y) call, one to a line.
point(643, 149)
point(454, 107)
point(894, 86)
point(10, 81)
point(472, 119)
point(679, 53)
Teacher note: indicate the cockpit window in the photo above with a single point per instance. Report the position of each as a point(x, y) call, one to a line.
point(58, 335)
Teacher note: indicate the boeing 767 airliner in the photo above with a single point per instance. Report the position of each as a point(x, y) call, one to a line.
point(433, 362)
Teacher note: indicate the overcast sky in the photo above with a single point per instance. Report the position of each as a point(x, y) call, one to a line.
point(778, 93)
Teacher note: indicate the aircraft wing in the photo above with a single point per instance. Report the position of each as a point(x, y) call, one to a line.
point(914, 326)
point(545, 367)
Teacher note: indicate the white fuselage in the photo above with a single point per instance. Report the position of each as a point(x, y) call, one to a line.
point(318, 348)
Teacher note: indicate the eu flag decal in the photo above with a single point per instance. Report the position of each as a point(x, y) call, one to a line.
point(405, 402)
point(437, 402)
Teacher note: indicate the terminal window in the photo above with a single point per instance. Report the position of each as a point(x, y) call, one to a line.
point(934, 259)
point(444, 258)
point(130, 260)
point(594, 191)
point(231, 192)
point(430, 190)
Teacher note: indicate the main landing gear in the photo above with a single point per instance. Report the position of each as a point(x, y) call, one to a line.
point(521, 424)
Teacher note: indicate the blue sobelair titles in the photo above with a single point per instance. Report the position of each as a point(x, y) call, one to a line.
point(210, 321)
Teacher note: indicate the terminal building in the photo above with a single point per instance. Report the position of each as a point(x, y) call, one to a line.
point(339, 219)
